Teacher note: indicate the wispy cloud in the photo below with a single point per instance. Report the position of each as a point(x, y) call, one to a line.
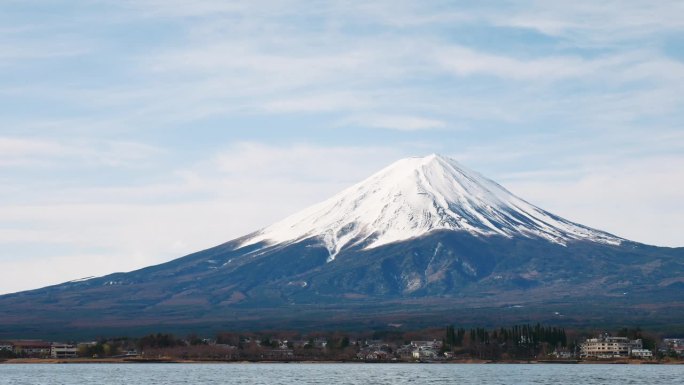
point(16, 151)
point(633, 198)
point(597, 23)
point(465, 62)
point(163, 115)
point(255, 182)
point(396, 122)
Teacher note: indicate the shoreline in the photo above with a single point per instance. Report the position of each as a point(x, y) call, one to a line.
point(162, 360)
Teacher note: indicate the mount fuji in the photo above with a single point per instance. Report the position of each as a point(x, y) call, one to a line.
point(416, 196)
point(422, 242)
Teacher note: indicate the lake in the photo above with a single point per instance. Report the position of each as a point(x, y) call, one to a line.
point(272, 374)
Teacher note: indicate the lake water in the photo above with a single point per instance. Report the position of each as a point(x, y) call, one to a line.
point(272, 374)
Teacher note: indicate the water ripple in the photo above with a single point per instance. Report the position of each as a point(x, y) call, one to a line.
point(310, 374)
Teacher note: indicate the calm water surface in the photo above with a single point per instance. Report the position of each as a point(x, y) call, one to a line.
point(272, 374)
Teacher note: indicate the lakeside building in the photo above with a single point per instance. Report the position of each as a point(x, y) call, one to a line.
point(373, 354)
point(6, 346)
point(31, 348)
point(675, 345)
point(425, 353)
point(375, 350)
point(404, 352)
point(434, 344)
point(426, 350)
point(606, 346)
point(642, 353)
point(59, 350)
point(562, 354)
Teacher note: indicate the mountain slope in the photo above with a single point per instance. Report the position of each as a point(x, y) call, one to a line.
point(422, 242)
point(415, 196)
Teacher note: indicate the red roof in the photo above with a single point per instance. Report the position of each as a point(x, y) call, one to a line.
point(30, 344)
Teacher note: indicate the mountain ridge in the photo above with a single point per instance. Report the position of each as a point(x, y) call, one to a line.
point(339, 263)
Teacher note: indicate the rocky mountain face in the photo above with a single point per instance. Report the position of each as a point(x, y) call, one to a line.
point(423, 242)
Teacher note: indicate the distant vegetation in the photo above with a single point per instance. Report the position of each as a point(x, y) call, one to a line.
point(518, 342)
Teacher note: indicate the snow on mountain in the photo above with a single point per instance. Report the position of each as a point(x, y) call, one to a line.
point(415, 196)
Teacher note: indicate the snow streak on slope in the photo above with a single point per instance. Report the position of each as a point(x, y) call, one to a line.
point(415, 196)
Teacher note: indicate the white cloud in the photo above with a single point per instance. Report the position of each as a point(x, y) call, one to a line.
point(15, 151)
point(594, 23)
point(304, 162)
point(232, 193)
point(198, 8)
point(638, 198)
point(599, 84)
point(12, 52)
point(466, 62)
point(42, 152)
point(26, 274)
point(320, 102)
point(611, 69)
point(396, 122)
point(283, 57)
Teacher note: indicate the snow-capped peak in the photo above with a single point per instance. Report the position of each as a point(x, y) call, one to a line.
point(415, 196)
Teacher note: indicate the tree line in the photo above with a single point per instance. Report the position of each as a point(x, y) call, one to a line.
point(516, 342)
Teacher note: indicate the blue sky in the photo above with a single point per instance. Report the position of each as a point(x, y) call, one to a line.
point(133, 132)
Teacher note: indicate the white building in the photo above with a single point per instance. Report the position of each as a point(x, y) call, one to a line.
point(606, 346)
point(424, 352)
point(434, 344)
point(642, 353)
point(58, 350)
